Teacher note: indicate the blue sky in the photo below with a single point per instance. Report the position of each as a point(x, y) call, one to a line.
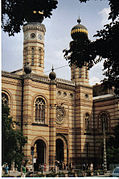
point(93, 15)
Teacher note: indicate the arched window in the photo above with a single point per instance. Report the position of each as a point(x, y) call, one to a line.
point(40, 111)
point(5, 99)
point(86, 72)
point(32, 57)
point(25, 55)
point(79, 72)
point(40, 54)
point(87, 121)
point(103, 121)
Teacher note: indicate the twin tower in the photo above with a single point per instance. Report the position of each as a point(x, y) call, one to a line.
point(33, 52)
point(57, 111)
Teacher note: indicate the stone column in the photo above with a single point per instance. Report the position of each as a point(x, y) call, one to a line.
point(27, 115)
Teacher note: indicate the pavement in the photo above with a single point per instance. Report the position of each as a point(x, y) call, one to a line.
point(16, 174)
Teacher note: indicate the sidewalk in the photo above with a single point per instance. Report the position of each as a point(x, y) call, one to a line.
point(12, 173)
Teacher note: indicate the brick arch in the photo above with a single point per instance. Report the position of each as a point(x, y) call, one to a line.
point(8, 93)
point(40, 96)
point(63, 138)
point(46, 146)
point(35, 97)
point(39, 138)
point(65, 142)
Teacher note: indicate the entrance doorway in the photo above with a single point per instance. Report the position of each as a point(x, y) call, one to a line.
point(39, 154)
point(59, 150)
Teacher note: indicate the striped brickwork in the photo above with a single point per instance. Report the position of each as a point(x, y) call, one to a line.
point(83, 105)
point(80, 145)
point(110, 105)
point(65, 98)
point(12, 87)
point(79, 75)
point(79, 127)
point(52, 123)
point(33, 129)
point(33, 51)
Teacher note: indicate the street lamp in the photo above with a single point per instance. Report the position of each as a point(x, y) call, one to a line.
point(104, 118)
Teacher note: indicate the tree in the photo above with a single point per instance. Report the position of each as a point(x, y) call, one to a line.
point(104, 47)
point(113, 147)
point(17, 12)
point(12, 140)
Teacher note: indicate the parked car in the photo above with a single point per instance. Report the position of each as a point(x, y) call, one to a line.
point(115, 172)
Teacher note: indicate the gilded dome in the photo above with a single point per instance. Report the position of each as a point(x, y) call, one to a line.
point(79, 31)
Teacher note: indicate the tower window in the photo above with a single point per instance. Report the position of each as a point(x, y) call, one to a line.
point(40, 110)
point(86, 73)
point(79, 72)
point(87, 121)
point(25, 55)
point(40, 53)
point(32, 57)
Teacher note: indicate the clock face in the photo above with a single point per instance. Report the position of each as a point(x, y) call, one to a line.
point(33, 35)
point(40, 37)
point(60, 114)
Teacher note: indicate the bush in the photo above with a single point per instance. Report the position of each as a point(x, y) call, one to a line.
point(61, 174)
point(70, 174)
point(51, 175)
point(88, 172)
point(79, 173)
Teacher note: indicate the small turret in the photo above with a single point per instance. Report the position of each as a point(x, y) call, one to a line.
point(52, 74)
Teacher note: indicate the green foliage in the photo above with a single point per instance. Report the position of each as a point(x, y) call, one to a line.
point(16, 12)
point(51, 174)
point(61, 174)
point(113, 147)
point(104, 47)
point(12, 140)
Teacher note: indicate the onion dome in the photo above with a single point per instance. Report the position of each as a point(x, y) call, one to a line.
point(27, 69)
point(79, 32)
point(52, 74)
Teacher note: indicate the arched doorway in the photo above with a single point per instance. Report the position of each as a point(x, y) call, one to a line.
point(39, 154)
point(59, 150)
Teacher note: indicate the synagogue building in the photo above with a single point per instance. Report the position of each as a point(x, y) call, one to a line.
point(63, 120)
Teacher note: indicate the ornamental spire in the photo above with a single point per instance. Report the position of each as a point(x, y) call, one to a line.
point(79, 20)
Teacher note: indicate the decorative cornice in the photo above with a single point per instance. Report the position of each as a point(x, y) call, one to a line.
point(65, 84)
point(11, 75)
point(34, 26)
point(84, 86)
point(61, 83)
point(104, 98)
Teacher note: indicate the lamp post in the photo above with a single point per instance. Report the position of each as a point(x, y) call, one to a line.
point(104, 144)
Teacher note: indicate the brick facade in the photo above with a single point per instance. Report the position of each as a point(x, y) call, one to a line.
point(57, 111)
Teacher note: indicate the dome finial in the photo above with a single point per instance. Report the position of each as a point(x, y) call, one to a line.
point(52, 68)
point(79, 32)
point(52, 74)
point(79, 20)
